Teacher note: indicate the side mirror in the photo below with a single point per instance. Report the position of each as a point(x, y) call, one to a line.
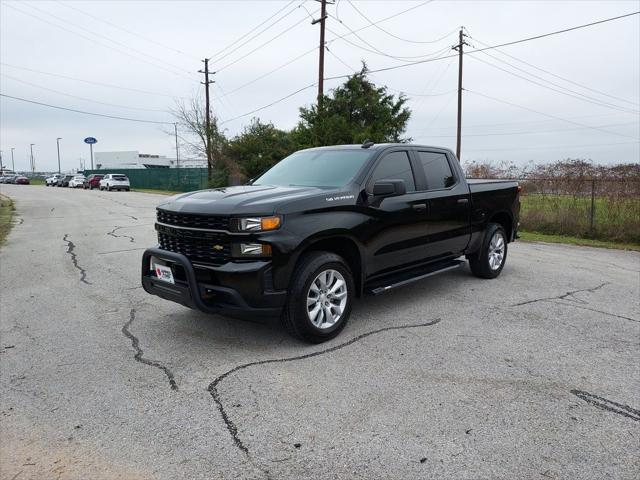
point(389, 188)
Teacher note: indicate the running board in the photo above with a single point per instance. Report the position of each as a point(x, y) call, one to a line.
point(402, 280)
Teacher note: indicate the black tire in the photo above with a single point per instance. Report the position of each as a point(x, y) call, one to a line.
point(295, 316)
point(480, 261)
point(126, 189)
point(108, 188)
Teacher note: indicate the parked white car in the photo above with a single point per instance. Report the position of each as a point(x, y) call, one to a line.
point(77, 181)
point(52, 181)
point(115, 181)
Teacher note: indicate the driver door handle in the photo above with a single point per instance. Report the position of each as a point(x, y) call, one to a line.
point(419, 207)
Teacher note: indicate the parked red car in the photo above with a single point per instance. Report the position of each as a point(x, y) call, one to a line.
point(21, 181)
point(92, 181)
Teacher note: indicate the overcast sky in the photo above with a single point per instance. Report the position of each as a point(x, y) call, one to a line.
point(153, 50)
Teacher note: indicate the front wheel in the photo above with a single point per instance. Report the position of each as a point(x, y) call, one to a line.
point(319, 299)
point(489, 261)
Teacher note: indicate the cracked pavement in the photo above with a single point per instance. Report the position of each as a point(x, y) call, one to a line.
point(533, 375)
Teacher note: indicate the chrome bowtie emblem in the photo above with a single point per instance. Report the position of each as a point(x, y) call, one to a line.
point(218, 247)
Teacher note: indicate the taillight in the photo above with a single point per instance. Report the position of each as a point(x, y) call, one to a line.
point(519, 188)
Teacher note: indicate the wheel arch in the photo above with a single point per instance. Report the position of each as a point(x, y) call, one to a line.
point(505, 219)
point(343, 245)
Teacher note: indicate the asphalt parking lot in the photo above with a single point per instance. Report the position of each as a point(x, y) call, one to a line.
point(533, 375)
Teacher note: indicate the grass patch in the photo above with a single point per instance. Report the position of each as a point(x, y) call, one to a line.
point(616, 219)
point(568, 240)
point(6, 216)
point(153, 190)
point(36, 181)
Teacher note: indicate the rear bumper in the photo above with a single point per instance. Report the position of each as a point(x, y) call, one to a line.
point(234, 289)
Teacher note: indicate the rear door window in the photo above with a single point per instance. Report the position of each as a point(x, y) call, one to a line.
point(437, 170)
point(395, 166)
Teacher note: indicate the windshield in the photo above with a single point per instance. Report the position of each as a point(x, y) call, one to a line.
point(315, 168)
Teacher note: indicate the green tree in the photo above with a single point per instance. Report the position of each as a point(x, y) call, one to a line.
point(354, 112)
point(259, 147)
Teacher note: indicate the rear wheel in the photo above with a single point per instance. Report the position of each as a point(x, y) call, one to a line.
point(489, 261)
point(319, 300)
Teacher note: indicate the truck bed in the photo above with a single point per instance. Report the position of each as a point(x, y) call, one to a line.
point(484, 185)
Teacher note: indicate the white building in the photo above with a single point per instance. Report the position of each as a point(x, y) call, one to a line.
point(132, 159)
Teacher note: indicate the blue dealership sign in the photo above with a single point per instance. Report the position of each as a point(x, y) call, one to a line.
point(90, 140)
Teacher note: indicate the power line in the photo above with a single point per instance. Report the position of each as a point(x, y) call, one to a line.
point(109, 85)
point(598, 22)
point(384, 19)
point(80, 98)
point(313, 49)
point(528, 122)
point(288, 29)
point(557, 76)
point(387, 86)
point(418, 62)
point(270, 104)
point(251, 31)
point(271, 71)
point(374, 24)
point(542, 147)
point(528, 132)
point(150, 40)
point(467, 53)
point(573, 94)
point(84, 112)
point(434, 81)
point(376, 50)
point(93, 40)
point(217, 60)
point(547, 114)
point(289, 62)
point(178, 70)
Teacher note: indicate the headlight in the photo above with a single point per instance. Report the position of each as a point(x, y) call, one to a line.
point(244, 250)
point(257, 224)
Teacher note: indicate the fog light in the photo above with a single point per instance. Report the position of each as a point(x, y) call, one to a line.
point(260, 249)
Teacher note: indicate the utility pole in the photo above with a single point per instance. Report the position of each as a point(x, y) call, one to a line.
point(459, 48)
point(33, 163)
point(58, 144)
point(206, 84)
point(175, 130)
point(13, 164)
point(1, 168)
point(321, 21)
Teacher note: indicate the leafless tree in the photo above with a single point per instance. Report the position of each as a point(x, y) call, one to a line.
point(191, 118)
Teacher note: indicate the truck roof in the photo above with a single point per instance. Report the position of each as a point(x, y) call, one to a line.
point(376, 146)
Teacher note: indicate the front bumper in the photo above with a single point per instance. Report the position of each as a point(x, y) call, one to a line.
point(242, 289)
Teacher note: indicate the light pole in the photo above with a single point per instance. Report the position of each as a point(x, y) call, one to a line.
point(13, 165)
point(1, 169)
point(33, 165)
point(58, 144)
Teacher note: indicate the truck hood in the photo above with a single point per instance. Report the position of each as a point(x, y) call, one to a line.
point(243, 199)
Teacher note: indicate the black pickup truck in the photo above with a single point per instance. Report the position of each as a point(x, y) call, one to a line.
point(326, 225)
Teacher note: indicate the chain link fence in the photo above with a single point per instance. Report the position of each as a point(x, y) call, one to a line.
point(603, 209)
point(173, 179)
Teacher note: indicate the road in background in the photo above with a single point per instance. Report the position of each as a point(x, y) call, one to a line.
point(533, 375)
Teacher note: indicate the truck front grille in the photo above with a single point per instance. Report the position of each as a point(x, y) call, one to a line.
point(212, 251)
point(189, 220)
